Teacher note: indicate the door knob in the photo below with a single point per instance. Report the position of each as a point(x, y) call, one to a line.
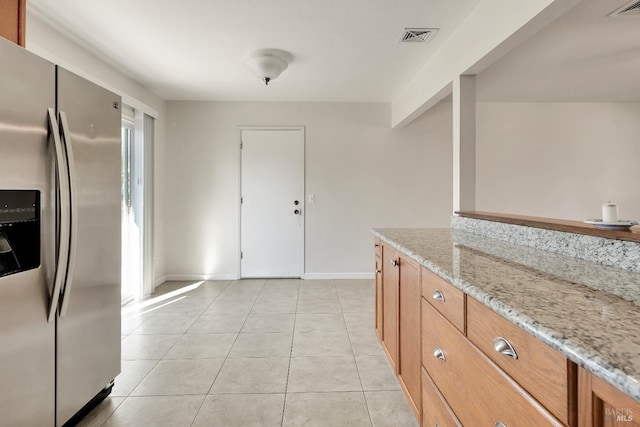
point(297, 212)
point(295, 202)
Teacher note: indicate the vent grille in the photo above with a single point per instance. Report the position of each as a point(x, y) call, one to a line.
point(632, 8)
point(418, 35)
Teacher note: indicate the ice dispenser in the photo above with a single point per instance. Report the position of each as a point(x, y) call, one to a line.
point(19, 231)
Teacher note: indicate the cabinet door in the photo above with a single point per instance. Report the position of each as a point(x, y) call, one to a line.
point(379, 305)
point(12, 20)
point(601, 405)
point(409, 309)
point(390, 300)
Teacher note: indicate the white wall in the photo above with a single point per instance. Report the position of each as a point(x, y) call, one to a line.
point(362, 173)
point(560, 160)
point(50, 44)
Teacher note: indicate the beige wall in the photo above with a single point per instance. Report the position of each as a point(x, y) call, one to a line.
point(362, 174)
point(492, 29)
point(560, 160)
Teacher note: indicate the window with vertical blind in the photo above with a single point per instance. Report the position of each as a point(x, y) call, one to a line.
point(137, 203)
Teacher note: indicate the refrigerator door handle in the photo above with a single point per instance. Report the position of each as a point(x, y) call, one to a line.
point(73, 223)
point(63, 249)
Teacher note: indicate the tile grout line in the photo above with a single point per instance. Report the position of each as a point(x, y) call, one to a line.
point(293, 334)
point(161, 358)
point(364, 396)
point(235, 340)
point(261, 291)
point(225, 358)
point(185, 333)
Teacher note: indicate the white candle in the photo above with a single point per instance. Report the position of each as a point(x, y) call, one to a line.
point(609, 213)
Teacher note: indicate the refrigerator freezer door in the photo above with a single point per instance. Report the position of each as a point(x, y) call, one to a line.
point(88, 331)
point(27, 346)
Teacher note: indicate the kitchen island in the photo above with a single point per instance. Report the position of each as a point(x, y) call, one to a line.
point(586, 313)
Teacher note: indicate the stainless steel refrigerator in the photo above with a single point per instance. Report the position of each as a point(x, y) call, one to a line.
point(60, 175)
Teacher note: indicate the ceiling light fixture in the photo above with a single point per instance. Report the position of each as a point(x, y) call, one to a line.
point(268, 64)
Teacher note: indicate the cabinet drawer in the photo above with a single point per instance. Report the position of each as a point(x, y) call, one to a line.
point(477, 390)
point(538, 368)
point(435, 410)
point(444, 297)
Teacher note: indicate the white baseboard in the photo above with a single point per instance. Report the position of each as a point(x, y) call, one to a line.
point(307, 276)
point(187, 277)
point(159, 281)
point(327, 276)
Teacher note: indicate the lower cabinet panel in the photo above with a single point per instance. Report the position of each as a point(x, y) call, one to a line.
point(480, 393)
point(601, 405)
point(409, 314)
point(435, 410)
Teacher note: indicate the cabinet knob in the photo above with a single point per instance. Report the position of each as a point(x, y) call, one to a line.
point(378, 271)
point(376, 245)
point(504, 347)
point(395, 263)
point(438, 295)
point(438, 353)
point(500, 424)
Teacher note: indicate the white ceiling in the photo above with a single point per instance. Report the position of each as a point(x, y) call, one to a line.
point(583, 56)
point(195, 49)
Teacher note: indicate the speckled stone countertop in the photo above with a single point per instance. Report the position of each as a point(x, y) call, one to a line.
point(586, 311)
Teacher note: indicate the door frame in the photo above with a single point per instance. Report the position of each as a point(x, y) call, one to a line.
point(303, 188)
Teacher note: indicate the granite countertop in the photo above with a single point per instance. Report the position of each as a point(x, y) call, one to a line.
point(586, 311)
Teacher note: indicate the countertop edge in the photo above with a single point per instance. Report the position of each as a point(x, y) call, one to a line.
point(584, 357)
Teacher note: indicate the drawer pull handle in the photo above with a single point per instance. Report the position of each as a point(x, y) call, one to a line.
point(504, 347)
point(439, 354)
point(438, 295)
point(500, 424)
point(395, 263)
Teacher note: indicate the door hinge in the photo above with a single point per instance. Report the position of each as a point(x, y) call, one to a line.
point(241, 254)
point(241, 200)
point(241, 145)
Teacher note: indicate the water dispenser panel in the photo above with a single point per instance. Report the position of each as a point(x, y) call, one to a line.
point(19, 231)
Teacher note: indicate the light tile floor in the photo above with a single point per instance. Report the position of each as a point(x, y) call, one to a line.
point(254, 353)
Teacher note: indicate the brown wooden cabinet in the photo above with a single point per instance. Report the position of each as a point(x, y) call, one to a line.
point(545, 373)
point(435, 409)
point(477, 390)
point(444, 297)
point(601, 405)
point(398, 318)
point(409, 314)
point(390, 304)
point(12, 20)
point(378, 290)
point(460, 363)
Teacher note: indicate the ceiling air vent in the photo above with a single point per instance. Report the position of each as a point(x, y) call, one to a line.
point(632, 8)
point(417, 35)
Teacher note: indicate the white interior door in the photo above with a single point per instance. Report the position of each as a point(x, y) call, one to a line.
point(272, 192)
